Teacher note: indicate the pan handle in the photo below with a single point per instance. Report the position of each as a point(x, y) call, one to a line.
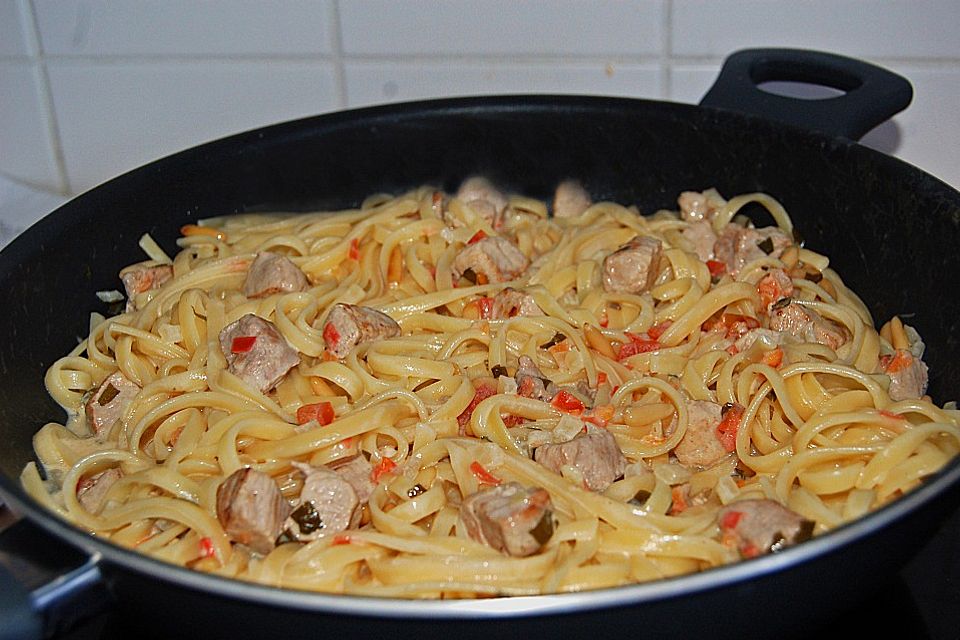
point(46, 586)
point(871, 95)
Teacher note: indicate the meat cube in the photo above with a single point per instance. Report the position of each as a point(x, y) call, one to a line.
point(510, 302)
point(570, 199)
point(702, 238)
point(510, 518)
point(531, 383)
point(594, 454)
point(328, 505)
point(701, 445)
point(760, 526)
point(633, 268)
point(348, 325)
point(485, 199)
point(273, 273)
point(696, 206)
point(92, 491)
point(142, 277)
point(251, 509)
point(256, 352)
point(774, 287)
point(807, 325)
point(739, 245)
point(357, 472)
point(108, 402)
point(908, 375)
point(492, 259)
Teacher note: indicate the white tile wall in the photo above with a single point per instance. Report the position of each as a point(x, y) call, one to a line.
point(26, 150)
point(12, 40)
point(91, 88)
point(868, 28)
point(115, 117)
point(502, 27)
point(184, 27)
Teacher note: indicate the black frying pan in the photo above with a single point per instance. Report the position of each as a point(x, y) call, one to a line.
point(891, 231)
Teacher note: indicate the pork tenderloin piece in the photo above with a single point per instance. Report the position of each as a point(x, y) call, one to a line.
point(328, 504)
point(273, 273)
point(348, 325)
point(908, 375)
point(739, 245)
point(702, 239)
point(531, 383)
point(491, 259)
point(510, 518)
point(701, 445)
point(510, 303)
point(759, 526)
point(632, 268)
point(570, 200)
point(251, 509)
point(807, 325)
point(594, 454)
point(479, 194)
point(142, 277)
point(92, 491)
point(256, 352)
point(107, 404)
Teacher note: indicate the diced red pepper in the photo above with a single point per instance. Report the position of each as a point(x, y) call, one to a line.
point(484, 476)
point(601, 377)
point(341, 538)
point(477, 237)
point(735, 324)
point(322, 412)
point(770, 290)
point(512, 420)
point(897, 362)
point(774, 357)
point(600, 415)
point(206, 548)
point(242, 344)
point(679, 497)
point(330, 334)
point(716, 268)
point(637, 345)
point(604, 319)
point(658, 329)
point(485, 306)
point(727, 429)
point(567, 402)
point(385, 466)
point(482, 393)
point(730, 519)
point(354, 253)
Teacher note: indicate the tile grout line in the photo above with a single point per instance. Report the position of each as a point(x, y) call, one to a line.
point(46, 94)
point(667, 64)
point(340, 72)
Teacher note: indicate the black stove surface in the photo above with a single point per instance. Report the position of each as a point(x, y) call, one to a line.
point(922, 602)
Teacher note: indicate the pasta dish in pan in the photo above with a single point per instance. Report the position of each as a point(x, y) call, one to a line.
point(480, 394)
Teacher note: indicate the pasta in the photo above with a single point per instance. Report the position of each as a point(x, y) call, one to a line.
point(456, 396)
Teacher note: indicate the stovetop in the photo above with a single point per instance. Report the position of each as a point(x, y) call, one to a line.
point(922, 602)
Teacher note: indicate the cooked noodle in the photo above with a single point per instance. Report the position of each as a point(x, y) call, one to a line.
point(819, 431)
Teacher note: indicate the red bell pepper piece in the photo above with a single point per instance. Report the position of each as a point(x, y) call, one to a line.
point(322, 412)
point(484, 476)
point(242, 344)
